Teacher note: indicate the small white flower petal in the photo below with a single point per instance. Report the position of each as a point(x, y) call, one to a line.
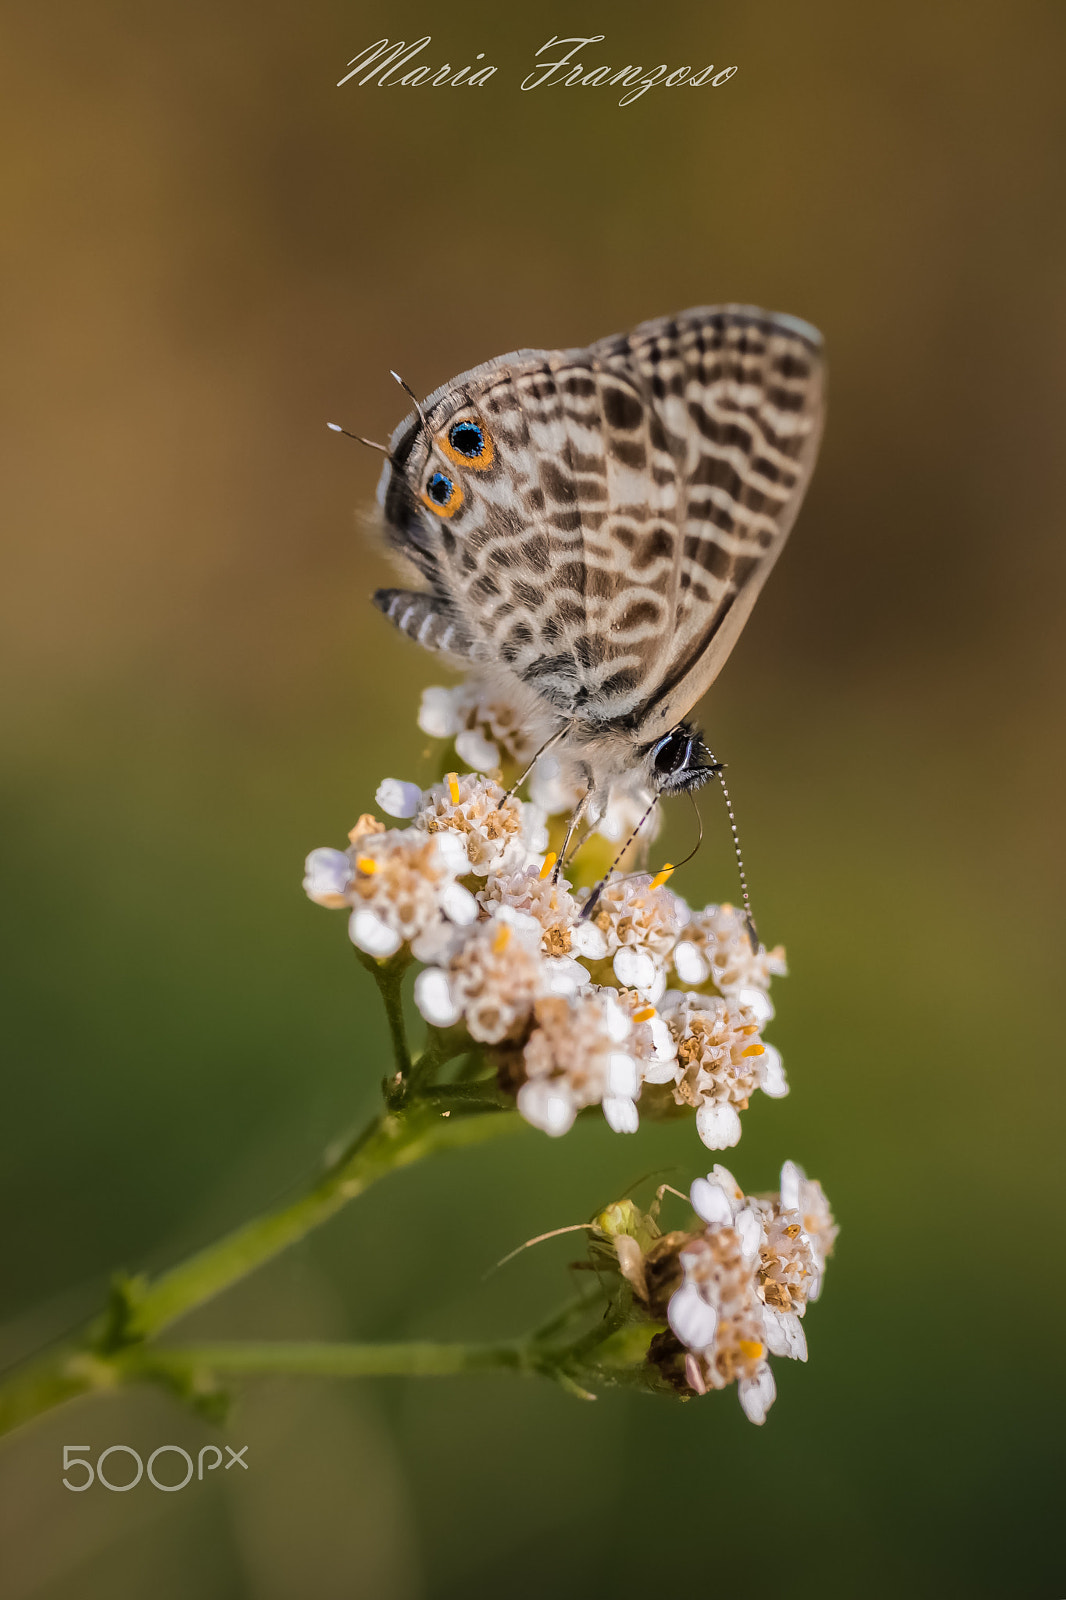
point(612, 825)
point(784, 1334)
point(633, 968)
point(372, 934)
point(458, 905)
point(547, 1106)
point(327, 874)
point(398, 799)
point(587, 940)
point(623, 1075)
point(694, 1374)
point(692, 1319)
point(534, 830)
point(718, 1126)
point(434, 998)
point(452, 852)
point(565, 976)
point(710, 1201)
point(617, 1020)
point(436, 944)
point(749, 1228)
point(438, 715)
point(478, 752)
point(757, 1394)
point(689, 963)
point(621, 1113)
point(772, 1080)
point(621, 814)
point(654, 991)
point(521, 921)
point(665, 1045)
point(756, 1000)
point(791, 1178)
point(660, 1071)
point(548, 791)
point(725, 1178)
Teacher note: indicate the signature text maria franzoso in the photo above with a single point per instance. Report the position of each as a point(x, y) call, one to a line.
point(565, 64)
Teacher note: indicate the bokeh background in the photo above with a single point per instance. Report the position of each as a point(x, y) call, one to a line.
point(210, 251)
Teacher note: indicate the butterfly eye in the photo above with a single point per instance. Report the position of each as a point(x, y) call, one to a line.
point(671, 753)
point(442, 494)
point(679, 761)
point(469, 444)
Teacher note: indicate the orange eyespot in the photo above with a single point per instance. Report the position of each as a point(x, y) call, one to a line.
point(469, 444)
point(442, 494)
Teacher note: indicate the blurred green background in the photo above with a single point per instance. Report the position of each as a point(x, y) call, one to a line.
point(209, 252)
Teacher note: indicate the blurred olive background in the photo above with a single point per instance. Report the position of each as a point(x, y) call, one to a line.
point(210, 251)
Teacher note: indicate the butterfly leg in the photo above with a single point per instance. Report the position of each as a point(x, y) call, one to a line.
point(556, 736)
point(579, 812)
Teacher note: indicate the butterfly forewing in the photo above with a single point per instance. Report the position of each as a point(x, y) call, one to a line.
point(638, 493)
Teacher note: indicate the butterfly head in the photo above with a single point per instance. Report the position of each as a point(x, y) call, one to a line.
point(679, 761)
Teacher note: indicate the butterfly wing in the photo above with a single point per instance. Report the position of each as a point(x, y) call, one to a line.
point(609, 542)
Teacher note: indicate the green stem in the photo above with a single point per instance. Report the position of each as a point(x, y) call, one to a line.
point(393, 1140)
point(309, 1359)
point(442, 1044)
point(461, 1096)
point(388, 975)
point(50, 1380)
point(139, 1312)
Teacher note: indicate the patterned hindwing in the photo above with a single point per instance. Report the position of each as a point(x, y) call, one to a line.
point(607, 539)
point(739, 396)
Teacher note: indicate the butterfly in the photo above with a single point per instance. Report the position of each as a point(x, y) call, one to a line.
point(594, 525)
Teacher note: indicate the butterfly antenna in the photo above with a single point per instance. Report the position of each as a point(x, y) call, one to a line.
point(590, 904)
point(406, 387)
point(753, 933)
point(335, 427)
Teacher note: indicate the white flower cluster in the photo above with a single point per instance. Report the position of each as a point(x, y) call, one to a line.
point(482, 725)
point(747, 1279)
point(641, 1000)
point(720, 1060)
point(400, 886)
point(487, 729)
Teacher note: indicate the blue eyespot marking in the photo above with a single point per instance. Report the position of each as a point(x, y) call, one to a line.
point(468, 439)
point(442, 494)
point(468, 443)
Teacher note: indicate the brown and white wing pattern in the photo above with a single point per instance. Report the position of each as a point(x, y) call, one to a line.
point(608, 536)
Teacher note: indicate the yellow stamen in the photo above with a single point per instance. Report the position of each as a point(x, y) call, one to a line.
point(754, 1050)
point(644, 1015)
point(367, 864)
point(502, 940)
point(549, 864)
point(661, 876)
point(453, 787)
point(750, 1348)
